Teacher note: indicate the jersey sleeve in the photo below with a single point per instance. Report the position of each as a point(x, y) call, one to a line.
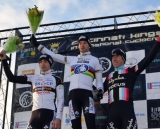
point(98, 66)
point(13, 78)
point(98, 74)
point(60, 97)
point(56, 57)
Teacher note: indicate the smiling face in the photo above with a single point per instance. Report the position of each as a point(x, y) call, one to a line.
point(117, 61)
point(83, 46)
point(44, 65)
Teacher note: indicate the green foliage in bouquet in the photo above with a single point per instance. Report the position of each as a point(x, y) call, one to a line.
point(35, 17)
point(13, 44)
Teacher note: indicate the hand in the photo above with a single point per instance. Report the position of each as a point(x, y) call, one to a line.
point(100, 94)
point(2, 55)
point(33, 40)
point(56, 124)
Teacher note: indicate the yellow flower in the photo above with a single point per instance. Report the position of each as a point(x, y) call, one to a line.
point(157, 18)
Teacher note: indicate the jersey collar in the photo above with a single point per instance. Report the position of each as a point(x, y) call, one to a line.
point(46, 72)
point(119, 68)
point(85, 53)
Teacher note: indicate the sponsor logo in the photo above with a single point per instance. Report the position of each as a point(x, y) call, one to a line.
point(91, 105)
point(106, 64)
point(136, 87)
point(67, 120)
point(46, 127)
point(25, 99)
point(81, 69)
point(76, 113)
point(71, 111)
point(156, 60)
point(153, 85)
point(27, 52)
point(81, 60)
point(20, 124)
point(44, 83)
point(54, 47)
point(131, 62)
point(28, 72)
point(101, 117)
point(155, 111)
point(140, 114)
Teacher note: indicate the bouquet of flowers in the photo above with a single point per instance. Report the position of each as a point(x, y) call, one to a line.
point(157, 18)
point(35, 17)
point(12, 44)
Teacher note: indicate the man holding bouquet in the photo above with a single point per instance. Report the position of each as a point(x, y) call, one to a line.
point(84, 68)
point(48, 88)
point(120, 84)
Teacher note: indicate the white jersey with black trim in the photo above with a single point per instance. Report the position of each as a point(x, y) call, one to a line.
point(84, 68)
point(47, 88)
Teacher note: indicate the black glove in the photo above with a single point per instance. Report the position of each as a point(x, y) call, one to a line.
point(33, 41)
point(100, 94)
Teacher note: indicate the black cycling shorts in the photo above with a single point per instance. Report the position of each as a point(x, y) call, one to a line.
point(81, 99)
point(41, 119)
point(121, 115)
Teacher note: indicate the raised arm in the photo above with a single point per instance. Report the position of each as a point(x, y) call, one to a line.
point(56, 57)
point(9, 74)
point(147, 60)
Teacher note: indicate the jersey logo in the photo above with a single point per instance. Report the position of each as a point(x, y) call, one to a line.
point(81, 68)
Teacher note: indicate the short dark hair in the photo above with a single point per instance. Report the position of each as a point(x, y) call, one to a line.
point(46, 57)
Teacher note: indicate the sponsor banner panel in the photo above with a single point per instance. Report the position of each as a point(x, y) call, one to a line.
point(139, 92)
point(21, 119)
point(153, 110)
point(153, 85)
point(140, 108)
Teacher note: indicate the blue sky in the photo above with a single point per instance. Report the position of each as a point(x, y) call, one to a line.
point(13, 11)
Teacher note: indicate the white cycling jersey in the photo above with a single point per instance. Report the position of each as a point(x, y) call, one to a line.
point(45, 88)
point(84, 68)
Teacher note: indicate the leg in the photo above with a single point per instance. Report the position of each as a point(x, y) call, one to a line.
point(46, 118)
point(88, 109)
point(114, 120)
point(129, 120)
point(89, 113)
point(34, 122)
point(75, 110)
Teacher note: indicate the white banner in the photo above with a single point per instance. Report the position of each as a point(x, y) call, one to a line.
point(21, 119)
point(140, 108)
point(153, 85)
